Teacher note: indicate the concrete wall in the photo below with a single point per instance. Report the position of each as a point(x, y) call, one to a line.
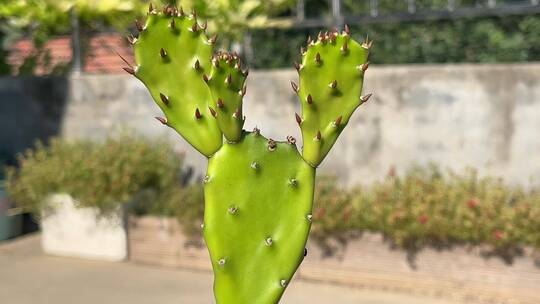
point(482, 116)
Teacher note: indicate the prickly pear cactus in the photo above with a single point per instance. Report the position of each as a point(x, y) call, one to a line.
point(258, 192)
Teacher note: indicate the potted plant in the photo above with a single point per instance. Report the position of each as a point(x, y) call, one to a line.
point(167, 232)
point(10, 217)
point(79, 190)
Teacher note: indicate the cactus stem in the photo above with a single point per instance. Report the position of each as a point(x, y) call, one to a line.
point(271, 145)
point(164, 98)
point(318, 136)
point(138, 25)
point(347, 30)
point(295, 87)
point(283, 283)
point(221, 262)
point(205, 78)
point(365, 97)
point(309, 99)
point(130, 70)
point(318, 58)
point(337, 122)
point(254, 165)
point(291, 140)
point(198, 114)
point(162, 120)
point(293, 182)
point(212, 111)
point(232, 209)
point(228, 80)
point(220, 103)
point(298, 119)
point(197, 65)
point(309, 217)
point(162, 53)
point(333, 84)
point(269, 242)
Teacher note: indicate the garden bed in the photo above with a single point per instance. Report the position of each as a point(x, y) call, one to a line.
point(464, 272)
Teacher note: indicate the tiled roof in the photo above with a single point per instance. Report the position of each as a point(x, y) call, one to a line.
point(101, 56)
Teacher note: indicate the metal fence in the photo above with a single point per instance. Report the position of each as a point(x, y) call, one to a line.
point(376, 11)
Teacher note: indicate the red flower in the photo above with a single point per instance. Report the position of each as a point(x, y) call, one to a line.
point(347, 215)
point(319, 213)
point(423, 219)
point(473, 203)
point(392, 172)
point(498, 234)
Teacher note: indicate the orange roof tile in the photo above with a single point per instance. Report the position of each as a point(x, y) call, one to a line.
point(101, 56)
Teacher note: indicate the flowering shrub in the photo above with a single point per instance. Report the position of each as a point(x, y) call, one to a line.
point(428, 207)
point(103, 175)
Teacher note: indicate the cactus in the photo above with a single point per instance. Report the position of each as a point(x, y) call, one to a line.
point(258, 192)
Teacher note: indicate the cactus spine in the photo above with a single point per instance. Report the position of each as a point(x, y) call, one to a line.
point(258, 192)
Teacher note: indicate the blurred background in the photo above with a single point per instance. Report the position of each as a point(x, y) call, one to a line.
point(431, 195)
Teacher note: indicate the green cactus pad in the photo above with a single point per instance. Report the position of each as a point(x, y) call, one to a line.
point(173, 53)
point(226, 83)
point(258, 195)
point(331, 77)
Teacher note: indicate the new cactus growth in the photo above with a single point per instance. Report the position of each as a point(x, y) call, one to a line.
point(258, 192)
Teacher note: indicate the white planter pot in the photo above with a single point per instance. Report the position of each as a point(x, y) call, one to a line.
point(81, 232)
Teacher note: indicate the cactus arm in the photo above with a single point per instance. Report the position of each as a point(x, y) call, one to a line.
point(172, 54)
point(257, 218)
point(227, 84)
point(331, 77)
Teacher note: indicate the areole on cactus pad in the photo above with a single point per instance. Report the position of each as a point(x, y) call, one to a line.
point(258, 192)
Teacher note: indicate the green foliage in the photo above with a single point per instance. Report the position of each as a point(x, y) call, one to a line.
point(43, 18)
point(183, 201)
point(104, 175)
point(232, 18)
point(427, 207)
point(485, 40)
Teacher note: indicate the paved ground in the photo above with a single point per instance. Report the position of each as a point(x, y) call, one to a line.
point(29, 277)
